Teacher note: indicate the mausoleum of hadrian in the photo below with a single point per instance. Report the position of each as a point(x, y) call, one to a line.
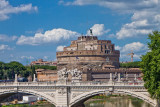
point(89, 51)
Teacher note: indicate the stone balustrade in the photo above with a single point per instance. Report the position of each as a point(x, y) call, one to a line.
point(88, 83)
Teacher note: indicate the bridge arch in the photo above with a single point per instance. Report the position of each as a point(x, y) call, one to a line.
point(36, 93)
point(87, 95)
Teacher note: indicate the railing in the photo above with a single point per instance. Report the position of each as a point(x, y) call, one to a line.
point(28, 84)
point(88, 83)
point(140, 83)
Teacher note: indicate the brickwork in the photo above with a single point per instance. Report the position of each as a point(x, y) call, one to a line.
point(41, 62)
point(46, 75)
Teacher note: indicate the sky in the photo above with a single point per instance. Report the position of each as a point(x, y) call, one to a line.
point(34, 29)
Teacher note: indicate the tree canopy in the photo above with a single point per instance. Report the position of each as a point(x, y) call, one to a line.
point(150, 65)
point(130, 65)
point(8, 70)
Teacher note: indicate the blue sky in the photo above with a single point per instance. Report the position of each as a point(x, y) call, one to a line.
point(33, 29)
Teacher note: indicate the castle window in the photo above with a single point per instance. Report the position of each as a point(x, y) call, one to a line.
point(107, 51)
point(101, 48)
point(112, 48)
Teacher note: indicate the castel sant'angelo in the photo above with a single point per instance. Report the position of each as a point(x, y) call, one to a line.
point(95, 59)
point(89, 51)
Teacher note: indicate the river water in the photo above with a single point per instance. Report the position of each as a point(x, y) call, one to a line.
point(118, 101)
point(126, 101)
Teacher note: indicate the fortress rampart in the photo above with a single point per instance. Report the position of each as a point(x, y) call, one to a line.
point(88, 50)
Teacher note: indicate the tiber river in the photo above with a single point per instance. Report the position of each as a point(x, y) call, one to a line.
point(126, 101)
point(118, 101)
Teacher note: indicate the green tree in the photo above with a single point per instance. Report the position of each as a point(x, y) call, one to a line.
point(8, 70)
point(150, 66)
point(130, 65)
point(15, 68)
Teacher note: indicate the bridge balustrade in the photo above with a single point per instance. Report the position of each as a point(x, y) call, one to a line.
point(88, 83)
point(105, 83)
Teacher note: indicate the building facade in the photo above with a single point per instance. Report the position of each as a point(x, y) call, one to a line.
point(126, 74)
point(46, 75)
point(41, 62)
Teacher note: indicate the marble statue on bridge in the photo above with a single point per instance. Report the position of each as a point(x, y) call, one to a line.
point(75, 74)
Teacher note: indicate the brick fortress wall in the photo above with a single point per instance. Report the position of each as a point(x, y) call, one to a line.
point(88, 50)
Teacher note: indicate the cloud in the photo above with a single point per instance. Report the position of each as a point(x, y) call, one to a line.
point(60, 48)
point(98, 30)
point(49, 36)
point(5, 47)
point(6, 38)
point(118, 48)
point(27, 57)
point(145, 15)
point(144, 21)
point(137, 47)
point(117, 5)
point(33, 32)
point(45, 57)
point(6, 9)
point(141, 25)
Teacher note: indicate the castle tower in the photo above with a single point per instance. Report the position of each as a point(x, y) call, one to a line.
point(89, 51)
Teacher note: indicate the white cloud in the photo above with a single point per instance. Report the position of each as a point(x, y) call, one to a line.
point(141, 25)
point(98, 30)
point(60, 48)
point(6, 9)
point(145, 19)
point(117, 5)
point(33, 32)
point(27, 57)
point(56, 35)
point(5, 47)
point(49, 36)
point(118, 48)
point(137, 47)
point(7, 38)
point(131, 32)
point(122, 6)
point(45, 57)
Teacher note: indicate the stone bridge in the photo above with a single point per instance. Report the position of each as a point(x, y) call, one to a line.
point(73, 94)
